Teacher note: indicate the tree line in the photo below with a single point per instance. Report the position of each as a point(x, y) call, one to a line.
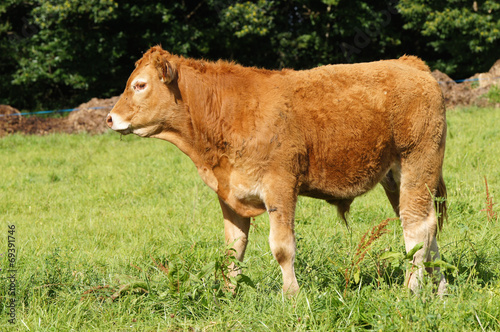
point(59, 53)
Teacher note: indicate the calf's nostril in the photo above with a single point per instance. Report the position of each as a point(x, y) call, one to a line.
point(109, 121)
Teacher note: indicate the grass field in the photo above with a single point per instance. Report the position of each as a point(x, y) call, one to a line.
point(119, 235)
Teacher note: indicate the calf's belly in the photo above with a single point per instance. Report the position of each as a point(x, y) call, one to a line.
point(346, 176)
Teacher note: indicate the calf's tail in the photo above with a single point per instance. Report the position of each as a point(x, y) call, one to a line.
point(440, 202)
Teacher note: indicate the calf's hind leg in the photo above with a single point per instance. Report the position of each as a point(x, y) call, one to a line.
point(418, 218)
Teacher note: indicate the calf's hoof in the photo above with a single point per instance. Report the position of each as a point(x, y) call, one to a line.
point(414, 281)
point(291, 290)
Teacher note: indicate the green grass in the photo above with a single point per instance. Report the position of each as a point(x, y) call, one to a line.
point(92, 212)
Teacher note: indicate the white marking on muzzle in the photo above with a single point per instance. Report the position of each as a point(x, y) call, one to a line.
point(118, 123)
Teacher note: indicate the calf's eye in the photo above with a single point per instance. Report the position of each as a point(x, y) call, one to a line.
point(140, 86)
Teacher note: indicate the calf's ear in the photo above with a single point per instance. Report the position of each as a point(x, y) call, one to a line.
point(166, 70)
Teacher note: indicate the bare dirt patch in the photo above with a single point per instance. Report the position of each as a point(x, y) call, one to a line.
point(32, 125)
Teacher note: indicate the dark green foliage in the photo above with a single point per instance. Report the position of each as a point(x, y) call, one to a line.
point(460, 37)
point(60, 53)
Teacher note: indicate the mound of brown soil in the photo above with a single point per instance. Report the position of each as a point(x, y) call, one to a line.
point(88, 117)
point(8, 110)
point(471, 91)
point(91, 116)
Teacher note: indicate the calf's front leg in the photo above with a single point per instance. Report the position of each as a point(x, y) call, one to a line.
point(236, 234)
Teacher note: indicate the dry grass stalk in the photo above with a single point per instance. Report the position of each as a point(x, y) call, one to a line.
point(490, 213)
point(98, 290)
point(162, 267)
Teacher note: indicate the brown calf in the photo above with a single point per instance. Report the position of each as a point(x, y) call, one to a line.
point(260, 138)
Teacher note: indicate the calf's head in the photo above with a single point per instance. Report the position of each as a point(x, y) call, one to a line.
point(150, 101)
